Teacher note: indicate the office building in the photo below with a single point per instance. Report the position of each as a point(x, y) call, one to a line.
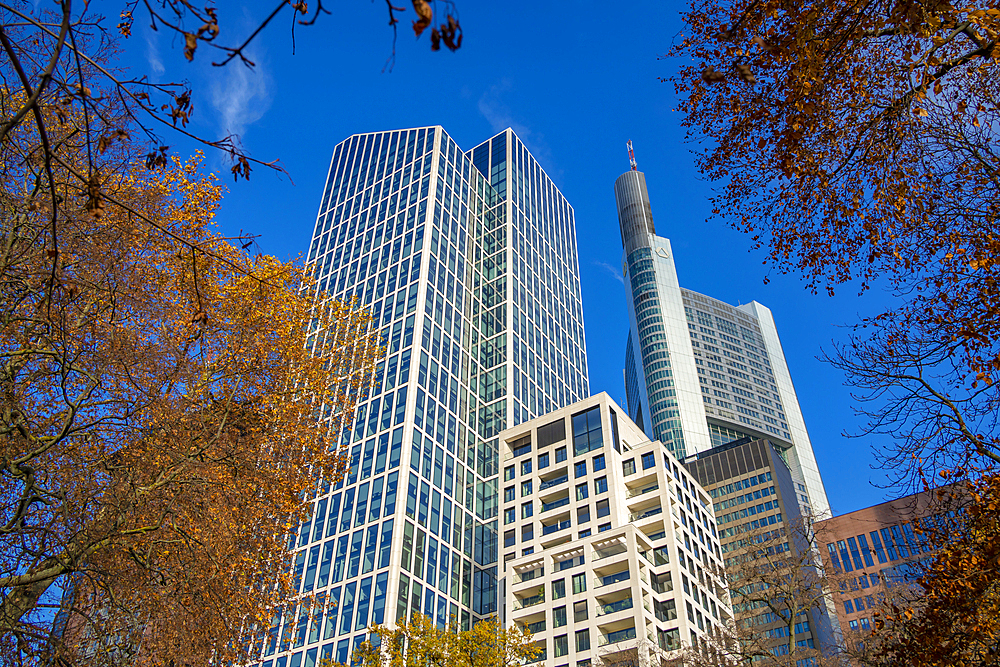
point(699, 372)
point(468, 263)
point(871, 550)
point(757, 505)
point(609, 545)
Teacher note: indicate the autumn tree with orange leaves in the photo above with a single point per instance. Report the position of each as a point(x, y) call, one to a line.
point(420, 643)
point(942, 611)
point(161, 418)
point(859, 141)
point(859, 144)
point(157, 420)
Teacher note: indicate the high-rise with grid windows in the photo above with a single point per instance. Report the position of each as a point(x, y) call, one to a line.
point(468, 263)
point(700, 373)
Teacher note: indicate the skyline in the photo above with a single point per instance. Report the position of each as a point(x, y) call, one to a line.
point(574, 89)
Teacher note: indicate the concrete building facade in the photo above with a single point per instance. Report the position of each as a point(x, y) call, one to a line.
point(758, 504)
point(608, 543)
point(871, 550)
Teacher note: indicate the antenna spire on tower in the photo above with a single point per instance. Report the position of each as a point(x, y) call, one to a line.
point(631, 156)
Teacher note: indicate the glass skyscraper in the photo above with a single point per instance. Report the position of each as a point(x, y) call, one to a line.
point(700, 373)
point(468, 263)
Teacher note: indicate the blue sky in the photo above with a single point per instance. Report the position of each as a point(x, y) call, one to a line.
point(575, 81)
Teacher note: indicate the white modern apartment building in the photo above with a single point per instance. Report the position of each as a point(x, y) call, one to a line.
point(608, 543)
point(699, 372)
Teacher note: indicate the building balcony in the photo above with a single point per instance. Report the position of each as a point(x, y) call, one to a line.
point(524, 603)
point(609, 551)
point(554, 482)
point(611, 579)
point(568, 563)
point(540, 658)
point(662, 584)
point(612, 607)
point(616, 636)
point(536, 627)
point(637, 493)
point(646, 513)
point(561, 502)
point(523, 577)
point(556, 527)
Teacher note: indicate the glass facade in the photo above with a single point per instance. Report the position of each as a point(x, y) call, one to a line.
point(468, 264)
point(737, 384)
point(699, 372)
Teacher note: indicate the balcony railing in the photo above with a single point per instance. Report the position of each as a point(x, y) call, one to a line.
point(530, 574)
point(540, 658)
point(556, 527)
point(562, 502)
point(615, 637)
point(612, 607)
point(522, 603)
point(639, 492)
point(568, 563)
point(535, 628)
point(553, 482)
point(607, 553)
point(652, 511)
point(611, 579)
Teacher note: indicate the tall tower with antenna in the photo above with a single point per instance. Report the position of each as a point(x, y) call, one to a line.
point(700, 373)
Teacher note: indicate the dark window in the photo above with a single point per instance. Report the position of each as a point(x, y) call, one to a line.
point(603, 509)
point(561, 644)
point(614, 430)
point(648, 460)
point(521, 446)
point(543, 460)
point(552, 433)
point(587, 434)
point(600, 485)
point(598, 462)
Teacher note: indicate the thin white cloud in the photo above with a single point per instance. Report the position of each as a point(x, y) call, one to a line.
point(612, 270)
point(241, 96)
point(499, 116)
point(153, 52)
